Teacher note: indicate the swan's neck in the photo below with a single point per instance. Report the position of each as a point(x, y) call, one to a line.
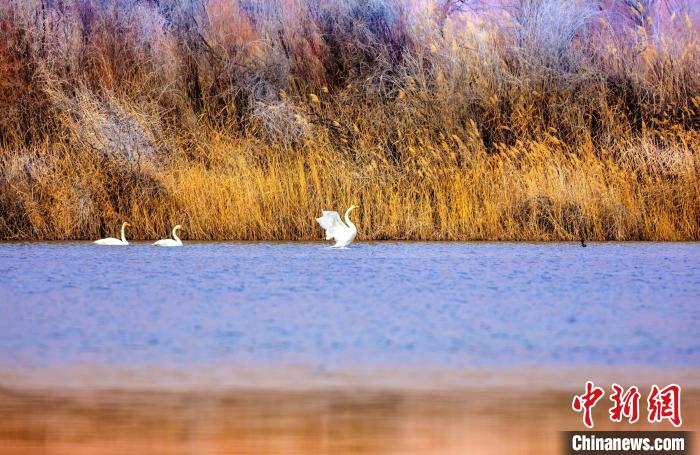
point(177, 239)
point(347, 218)
point(123, 236)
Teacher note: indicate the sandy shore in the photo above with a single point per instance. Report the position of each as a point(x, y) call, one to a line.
point(292, 411)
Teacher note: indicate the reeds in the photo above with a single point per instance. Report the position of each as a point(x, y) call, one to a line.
point(531, 120)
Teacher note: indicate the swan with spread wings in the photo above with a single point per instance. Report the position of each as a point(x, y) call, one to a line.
point(342, 233)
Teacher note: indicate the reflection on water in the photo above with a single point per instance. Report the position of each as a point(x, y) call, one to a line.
point(488, 422)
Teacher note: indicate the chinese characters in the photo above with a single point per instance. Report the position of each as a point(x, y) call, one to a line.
point(662, 404)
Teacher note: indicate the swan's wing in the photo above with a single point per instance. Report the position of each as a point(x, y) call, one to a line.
point(109, 241)
point(167, 242)
point(331, 222)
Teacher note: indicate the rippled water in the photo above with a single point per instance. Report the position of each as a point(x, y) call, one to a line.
point(372, 305)
point(293, 348)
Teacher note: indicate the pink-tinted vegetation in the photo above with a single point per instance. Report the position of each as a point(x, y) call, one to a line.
point(458, 112)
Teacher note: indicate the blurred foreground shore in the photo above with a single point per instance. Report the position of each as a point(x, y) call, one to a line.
point(493, 411)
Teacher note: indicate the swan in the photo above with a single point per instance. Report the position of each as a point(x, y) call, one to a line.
point(171, 242)
point(342, 233)
point(112, 241)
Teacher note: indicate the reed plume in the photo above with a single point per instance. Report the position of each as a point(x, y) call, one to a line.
point(450, 120)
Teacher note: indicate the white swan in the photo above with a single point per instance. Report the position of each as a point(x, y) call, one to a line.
point(342, 233)
point(175, 241)
point(112, 241)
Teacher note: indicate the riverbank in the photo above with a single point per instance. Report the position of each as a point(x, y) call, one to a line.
point(481, 421)
point(529, 192)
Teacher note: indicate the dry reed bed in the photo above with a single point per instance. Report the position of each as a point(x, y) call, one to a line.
point(532, 120)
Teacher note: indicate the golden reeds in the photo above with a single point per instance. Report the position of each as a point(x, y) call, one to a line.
point(242, 120)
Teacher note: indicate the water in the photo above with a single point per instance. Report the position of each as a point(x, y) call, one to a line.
point(374, 305)
point(294, 348)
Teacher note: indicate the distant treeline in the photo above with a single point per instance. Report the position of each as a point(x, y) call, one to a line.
point(444, 120)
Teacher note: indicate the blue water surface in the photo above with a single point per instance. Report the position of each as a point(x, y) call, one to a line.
point(374, 304)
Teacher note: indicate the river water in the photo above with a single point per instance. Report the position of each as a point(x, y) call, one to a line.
point(388, 318)
point(375, 304)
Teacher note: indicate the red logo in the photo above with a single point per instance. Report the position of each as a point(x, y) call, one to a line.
point(625, 404)
point(586, 401)
point(665, 404)
point(662, 404)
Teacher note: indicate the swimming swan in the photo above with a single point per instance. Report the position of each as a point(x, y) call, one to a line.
point(171, 242)
point(342, 233)
point(112, 241)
